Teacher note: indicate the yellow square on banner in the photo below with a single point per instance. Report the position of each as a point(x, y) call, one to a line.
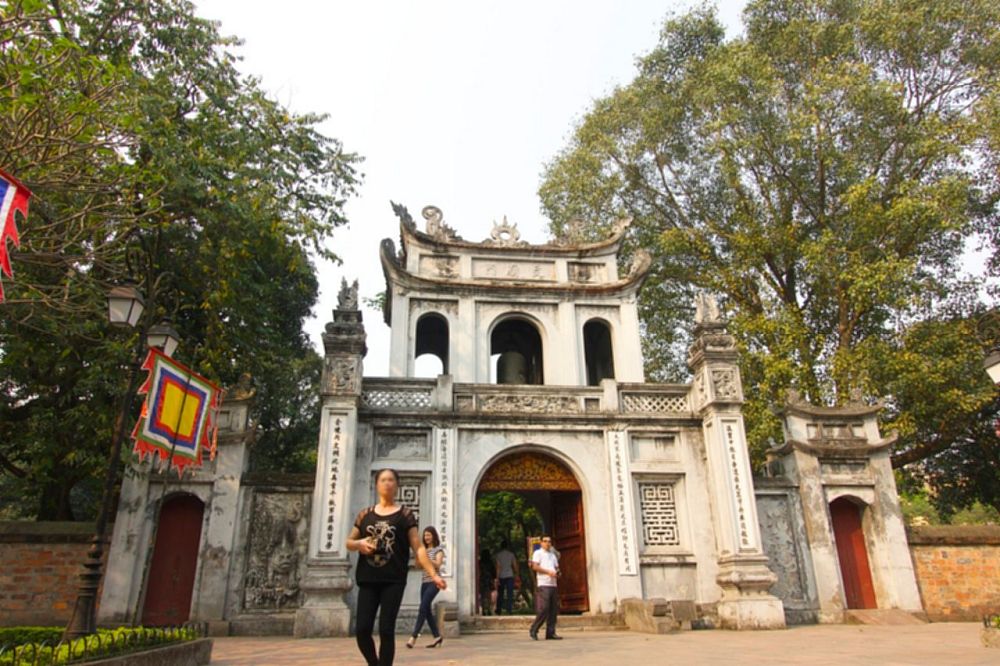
point(171, 416)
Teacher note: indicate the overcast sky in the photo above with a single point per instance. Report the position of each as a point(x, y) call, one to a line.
point(456, 104)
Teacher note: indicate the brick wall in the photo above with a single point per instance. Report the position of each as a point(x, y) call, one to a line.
point(41, 563)
point(958, 570)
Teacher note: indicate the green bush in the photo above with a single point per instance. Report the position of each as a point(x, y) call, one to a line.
point(105, 643)
point(18, 635)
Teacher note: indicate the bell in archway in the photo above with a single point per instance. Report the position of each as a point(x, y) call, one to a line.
point(512, 368)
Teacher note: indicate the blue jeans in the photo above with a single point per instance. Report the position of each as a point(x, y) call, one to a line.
point(505, 591)
point(427, 593)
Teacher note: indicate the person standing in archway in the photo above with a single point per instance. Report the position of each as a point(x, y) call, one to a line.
point(546, 567)
point(383, 534)
point(506, 565)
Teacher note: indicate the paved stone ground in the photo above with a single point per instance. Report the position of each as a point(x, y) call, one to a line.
point(951, 644)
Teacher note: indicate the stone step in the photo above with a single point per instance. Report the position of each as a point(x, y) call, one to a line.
point(882, 617)
point(521, 623)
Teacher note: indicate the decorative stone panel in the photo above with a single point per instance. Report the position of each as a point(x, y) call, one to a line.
point(783, 540)
point(658, 509)
point(276, 547)
point(654, 403)
point(402, 445)
point(397, 398)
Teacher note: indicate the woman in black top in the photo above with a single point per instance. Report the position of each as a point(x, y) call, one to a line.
point(383, 535)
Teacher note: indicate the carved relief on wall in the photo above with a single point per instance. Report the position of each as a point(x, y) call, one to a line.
point(528, 471)
point(340, 374)
point(700, 394)
point(276, 551)
point(439, 265)
point(534, 404)
point(587, 272)
point(725, 384)
point(419, 306)
point(402, 445)
point(777, 531)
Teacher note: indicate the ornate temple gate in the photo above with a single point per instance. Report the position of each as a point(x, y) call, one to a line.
point(533, 471)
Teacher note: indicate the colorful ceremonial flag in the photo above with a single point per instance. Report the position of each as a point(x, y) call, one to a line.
point(178, 417)
point(13, 198)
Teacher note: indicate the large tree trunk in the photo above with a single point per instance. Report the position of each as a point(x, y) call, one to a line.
point(54, 502)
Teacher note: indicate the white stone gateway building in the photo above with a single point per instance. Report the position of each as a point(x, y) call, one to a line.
point(646, 488)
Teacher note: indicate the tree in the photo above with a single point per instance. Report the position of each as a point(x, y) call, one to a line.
point(150, 157)
point(822, 173)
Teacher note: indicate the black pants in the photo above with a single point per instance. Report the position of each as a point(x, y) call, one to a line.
point(505, 590)
point(427, 593)
point(371, 597)
point(547, 605)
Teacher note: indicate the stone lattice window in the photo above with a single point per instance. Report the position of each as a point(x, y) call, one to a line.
point(658, 508)
point(409, 495)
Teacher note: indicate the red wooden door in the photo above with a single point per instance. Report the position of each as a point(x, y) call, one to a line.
point(170, 582)
point(568, 534)
point(853, 554)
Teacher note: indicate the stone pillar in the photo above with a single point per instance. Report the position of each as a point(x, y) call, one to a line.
point(324, 610)
point(717, 397)
point(216, 553)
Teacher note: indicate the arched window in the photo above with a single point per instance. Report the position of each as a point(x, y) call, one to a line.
point(431, 350)
point(597, 351)
point(516, 349)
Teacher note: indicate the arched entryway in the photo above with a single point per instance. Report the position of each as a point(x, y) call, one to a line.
point(170, 581)
point(849, 535)
point(546, 497)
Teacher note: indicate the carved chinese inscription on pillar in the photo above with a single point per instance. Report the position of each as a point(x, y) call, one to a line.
point(621, 483)
point(739, 489)
point(336, 443)
point(444, 496)
point(659, 514)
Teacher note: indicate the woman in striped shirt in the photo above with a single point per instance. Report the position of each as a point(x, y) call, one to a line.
point(428, 590)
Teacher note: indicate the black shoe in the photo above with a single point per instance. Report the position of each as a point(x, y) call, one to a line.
point(553, 637)
point(533, 635)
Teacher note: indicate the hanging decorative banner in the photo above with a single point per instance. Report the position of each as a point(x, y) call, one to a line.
point(178, 418)
point(13, 199)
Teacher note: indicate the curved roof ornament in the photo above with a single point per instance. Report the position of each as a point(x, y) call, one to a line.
point(436, 228)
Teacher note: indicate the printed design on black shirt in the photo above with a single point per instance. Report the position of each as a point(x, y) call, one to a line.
point(383, 536)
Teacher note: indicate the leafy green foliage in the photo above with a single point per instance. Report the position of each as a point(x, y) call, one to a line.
point(42, 645)
point(151, 158)
point(823, 174)
point(506, 517)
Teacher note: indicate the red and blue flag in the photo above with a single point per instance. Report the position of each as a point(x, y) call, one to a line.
point(13, 199)
point(178, 418)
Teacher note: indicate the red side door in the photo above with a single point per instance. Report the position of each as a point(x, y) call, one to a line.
point(170, 582)
point(568, 534)
point(853, 554)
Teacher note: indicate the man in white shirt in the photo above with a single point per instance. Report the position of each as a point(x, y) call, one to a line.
point(546, 567)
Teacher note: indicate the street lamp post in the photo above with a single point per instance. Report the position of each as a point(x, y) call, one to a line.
point(125, 309)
